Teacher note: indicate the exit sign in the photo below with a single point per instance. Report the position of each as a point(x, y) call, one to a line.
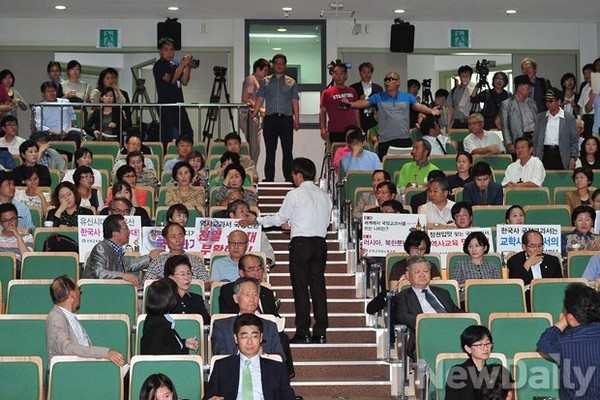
point(109, 38)
point(460, 38)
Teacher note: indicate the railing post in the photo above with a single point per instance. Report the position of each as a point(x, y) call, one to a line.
point(421, 374)
point(402, 338)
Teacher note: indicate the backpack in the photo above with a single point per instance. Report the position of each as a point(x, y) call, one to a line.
point(56, 242)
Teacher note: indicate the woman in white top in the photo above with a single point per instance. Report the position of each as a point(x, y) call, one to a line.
point(74, 89)
point(83, 157)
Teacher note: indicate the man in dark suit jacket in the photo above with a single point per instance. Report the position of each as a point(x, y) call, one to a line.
point(235, 374)
point(418, 298)
point(532, 262)
point(249, 266)
point(482, 191)
point(367, 115)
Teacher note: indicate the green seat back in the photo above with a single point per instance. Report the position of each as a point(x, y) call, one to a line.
point(556, 179)
point(66, 145)
point(442, 369)
point(49, 266)
point(459, 135)
point(186, 328)
point(55, 178)
point(560, 216)
point(36, 216)
point(482, 298)
point(41, 236)
point(27, 338)
point(450, 149)
point(530, 367)
point(110, 148)
point(560, 195)
point(357, 179)
point(394, 259)
point(449, 288)
point(485, 217)
point(498, 176)
point(8, 272)
point(577, 264)
point(526, 197)
point(498, 162)
point(112, 331)
point(108, 297)
point(186, 374)
point(156, 147)
point(444, 162)
point(90, 379)
point(101, 162)
point(394, 163)
point(166, 177)
point(29, 297)
point(526, 327)
point(548, 295)
point(495, 259)
point(214, 300)
point(22, 379)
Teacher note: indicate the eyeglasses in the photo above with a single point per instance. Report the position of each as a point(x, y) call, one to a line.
point(183, 274)
point(11, 124)
point(9, 219)
point(252, 337)
point(254, 269)
point(389, 79)
point(121, 211)
point(483, 345)
point(535, 245)
point(237, 244)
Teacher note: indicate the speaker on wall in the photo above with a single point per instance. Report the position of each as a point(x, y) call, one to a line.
point(402, 37)
point(170, 29)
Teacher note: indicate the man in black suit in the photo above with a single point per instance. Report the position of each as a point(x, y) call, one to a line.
point(364, 89)
point(532, 263)
point(420, 297)
point(234, 377)
point(249, 266)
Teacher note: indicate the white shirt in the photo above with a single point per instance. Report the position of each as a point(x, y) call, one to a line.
point(256, 377)
point(436, 216)
point(552, 125)
point(532, 171)
point(97, 177)
point(13, 147)
point(472, 142)
point(584, 97)
point(80, 333)
point(307, 209)
point(425, 306)
point(367, 89)
point(436, 148)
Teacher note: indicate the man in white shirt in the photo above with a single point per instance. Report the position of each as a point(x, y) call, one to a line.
point(64, 334)
point(479, 141)
point(527, 171)
point(438, 209)
point(11, 139)
point(555, 138)
point(306, 211)
point(430, 129)
point(585, 102)
point(55, 121)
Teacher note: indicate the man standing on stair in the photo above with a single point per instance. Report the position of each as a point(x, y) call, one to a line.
point(306, 210)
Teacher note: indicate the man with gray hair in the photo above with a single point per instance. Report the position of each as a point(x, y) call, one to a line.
point(479, 141)
point(415, 172)
point(420, 297)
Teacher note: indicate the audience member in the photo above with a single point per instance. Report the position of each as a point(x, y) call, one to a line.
point(11, 139)
point(568, 83)
point(417, 200)
point(84, 181)
point(7, 195)
point(592, 269)
point(476, 246)
point(596, 199)
point(107, 258)
point(527, 170)
point(417, 244)
point(491, 99)
point(67, 206)
point(240, 210)
point(462, 214)
point(393, 207)
point(107, 122)
point(174, 237)
point(466, 380)
point(369, 199)
point(158, 386)
point(48, 156)
point(482, 191)
point(65, 336)
point(184, 146)
point(74, 89)
point(135, 159)
point(412, 87)
point(159, 336)
point(582, 237)
point(574, 343)
point(515, 215)
point(83, 157)
point(385, 191)
point(251, 126)
point(583, 177)
point(54, 71)
point(480, 141)
point(235, 176)
point(341, 151)
point(32, 195)
point(539, 85)
point(233, 194)
point(183, 192)
point(7, 81)
point(333, 118)
point(589, 154)
point(518, 114)
point(121, 204)
point(29, 152)
point(464, 162)
point(358, 158)
point(126, 174)
point(233, 143)
point(109, 78)
point(133, 143)
point(179, 214)
point(459, 101)
point(179, 269)
point(364, 89)
point(225, 269)
point(393, 109)
point(438, 209)
point(439, 101)
point(12, 239)
point(55, 121)
point(555, 139)
point(415, 172)
point(586, 100)
point(430, 129)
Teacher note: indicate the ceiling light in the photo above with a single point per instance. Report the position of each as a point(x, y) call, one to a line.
point(173, 8)
point(277, 48)
point(60, 7)
point(281, 29)
point(510, 12)
point(283, 35)
point(399, 11)
point(286, 9)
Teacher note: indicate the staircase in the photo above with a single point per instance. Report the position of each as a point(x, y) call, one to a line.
point(350, 365)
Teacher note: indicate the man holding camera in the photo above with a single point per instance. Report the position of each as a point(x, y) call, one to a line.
point(169, 75)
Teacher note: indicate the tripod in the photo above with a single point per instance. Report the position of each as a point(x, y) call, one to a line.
point(427, 97)
point(142, 94)
point(219, 86)
point(482, 82)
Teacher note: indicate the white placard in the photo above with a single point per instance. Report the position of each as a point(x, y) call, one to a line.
point(152, 239)
point(385, 233)
point(91, 233)
point(508, 237)
point(444, 241)
point(211, 233)
point(595, 82)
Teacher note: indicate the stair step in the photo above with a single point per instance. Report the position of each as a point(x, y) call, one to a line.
point(276, 234)
point(325, 369)
point(283, 245)
point(335, 319)
point(284, 255)
point(345, 335)
point(333, 305)
point(361, 388)
point(334, 351)
point(333, 292)
point(283, 279)
point(337, 267)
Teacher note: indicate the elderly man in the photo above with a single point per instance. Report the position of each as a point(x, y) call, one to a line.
point(532, 262)
point(479, 141)
point(555, 139)
point(574, 343)
point(174, 236)
point(64, 334)
point(415, 172)
point(420, 298)
point(393, 113)
point(438, 209)
point(225, 269)
point(539, 85)
point(518, 114)
point(369, 199)
point(385, 191)
point(239, 209)
point(527, 170)
point(107, 259)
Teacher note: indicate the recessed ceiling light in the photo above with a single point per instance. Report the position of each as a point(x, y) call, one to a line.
point(173, 8)
point(286, 8)
point(399, 11)
point(510, 12)
point(281, 29)
point(277, 48)
point(60, 7)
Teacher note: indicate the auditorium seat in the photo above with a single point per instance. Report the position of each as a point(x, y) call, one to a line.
point(84, 378)
point(486, 296)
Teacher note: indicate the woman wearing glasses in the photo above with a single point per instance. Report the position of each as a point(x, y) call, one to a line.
point(474, 379)
point(179, 269)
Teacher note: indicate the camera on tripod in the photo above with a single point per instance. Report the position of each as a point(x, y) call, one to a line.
point(483, 69)
point(426, 84)
point(337, 61)
point(220, 72)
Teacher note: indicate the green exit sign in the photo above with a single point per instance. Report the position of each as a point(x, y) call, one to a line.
point(460, 38)
point(109, 38)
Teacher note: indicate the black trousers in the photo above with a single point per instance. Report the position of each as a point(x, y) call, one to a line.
point(551, 158)
point(383, 147)
point(337, 137)
point(308, 256)
point(170, 120)
point(278, 126)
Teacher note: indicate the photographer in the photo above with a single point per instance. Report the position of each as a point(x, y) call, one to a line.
point(491, 98)
point(169, 75)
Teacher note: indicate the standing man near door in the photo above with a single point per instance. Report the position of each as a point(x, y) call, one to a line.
point(282, 109)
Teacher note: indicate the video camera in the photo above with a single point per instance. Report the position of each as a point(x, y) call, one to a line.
point(337, 61)
point(483, 69)
point(219, 71)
